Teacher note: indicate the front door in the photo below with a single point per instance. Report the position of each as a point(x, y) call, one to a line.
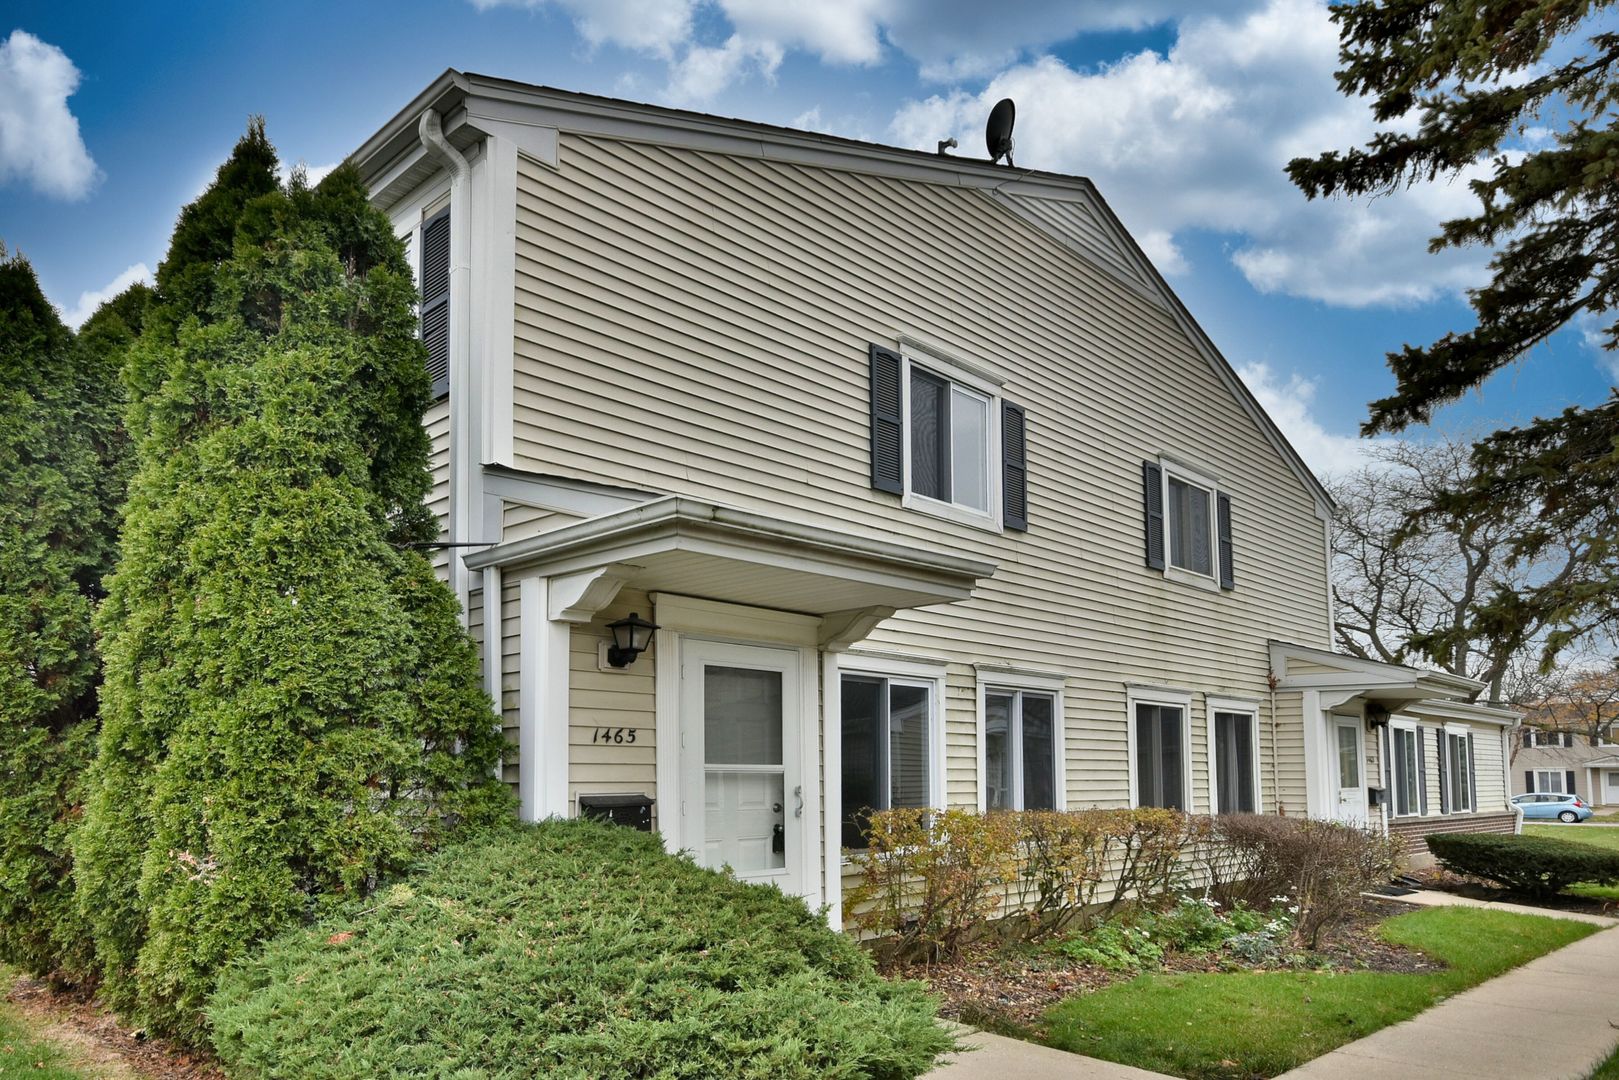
point(742, 800)
point(1348, 761)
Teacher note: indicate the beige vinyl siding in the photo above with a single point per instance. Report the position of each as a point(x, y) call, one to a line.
point(605, 701)
point(1287, 737)
point(437, 421)
point(521, 522)
point(1492, 794)
point(720, 309)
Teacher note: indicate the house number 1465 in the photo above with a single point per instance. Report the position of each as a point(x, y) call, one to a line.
point(613, 735)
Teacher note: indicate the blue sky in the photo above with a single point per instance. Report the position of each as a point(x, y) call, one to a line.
point(1183, 113)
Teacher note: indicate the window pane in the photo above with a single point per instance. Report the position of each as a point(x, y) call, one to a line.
point(969, 444)
point(1189, 546)
point(741, 716)
point(1039, 767)
point(1348, 757)
point(1158, 757)
point(1234, 762)
point(930, 436)
point(908, 745)
point(1405, 772)
point(997, 758)
point(862, 755)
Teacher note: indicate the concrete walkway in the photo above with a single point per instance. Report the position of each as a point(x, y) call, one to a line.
point(1435, 898)
point(995, 1057)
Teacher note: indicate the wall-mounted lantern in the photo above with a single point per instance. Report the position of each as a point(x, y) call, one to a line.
point(631, 637)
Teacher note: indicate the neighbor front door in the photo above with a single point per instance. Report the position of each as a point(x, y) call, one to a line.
point(742, 783)
point(1348, 762)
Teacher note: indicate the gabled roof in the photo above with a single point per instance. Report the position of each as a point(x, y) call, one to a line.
point(1429, 694)
point(1068, 208)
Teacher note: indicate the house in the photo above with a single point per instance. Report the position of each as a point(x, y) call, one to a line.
point(1549, 759)
point(933, 490)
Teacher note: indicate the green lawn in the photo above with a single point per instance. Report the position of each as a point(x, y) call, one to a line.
point(1599, 837)
point(1247, 1024)
point(21, 1055)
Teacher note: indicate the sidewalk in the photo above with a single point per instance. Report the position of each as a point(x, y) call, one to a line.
point(996, 1057)
point(1553, 1019)
point(1435, 898)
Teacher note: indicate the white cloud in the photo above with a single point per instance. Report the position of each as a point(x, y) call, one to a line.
point(39, 136)
point(313, 174)
point(653, 26)
point(703, 71)
point(1290, 401)
point(1196, 139)
point(89, 301)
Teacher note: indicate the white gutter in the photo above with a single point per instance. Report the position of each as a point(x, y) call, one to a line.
point(465, 478)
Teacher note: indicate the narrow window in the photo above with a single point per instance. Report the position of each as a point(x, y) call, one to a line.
point(886, 749)
point(1160, 757)
point(1459, 772)
point(1190, 546)
point(1020, 755)
point(1234, 762)
point(1404, 767)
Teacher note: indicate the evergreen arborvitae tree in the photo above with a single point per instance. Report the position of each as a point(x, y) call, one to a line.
point(1478, 74)
point(61, 481)
point(292, 708)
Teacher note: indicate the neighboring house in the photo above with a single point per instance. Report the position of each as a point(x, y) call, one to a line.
point(936, 494)
point(1562, 761)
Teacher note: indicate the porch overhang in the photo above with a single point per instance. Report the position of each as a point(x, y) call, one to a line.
point(694, 548)
point(1341, 680)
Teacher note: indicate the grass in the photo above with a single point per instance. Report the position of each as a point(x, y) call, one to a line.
point(22, 1055)
point(1603, 838)
point(1608, 1070)
point(1246, 1024)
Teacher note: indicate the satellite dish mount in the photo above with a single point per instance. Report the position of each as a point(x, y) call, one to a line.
point(998, 132)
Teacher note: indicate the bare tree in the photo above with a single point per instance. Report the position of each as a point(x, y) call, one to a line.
point(1409, 593)
point(1582, 700)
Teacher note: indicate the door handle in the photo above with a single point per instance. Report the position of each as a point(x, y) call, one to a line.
point(775, 808)
point(798, 811)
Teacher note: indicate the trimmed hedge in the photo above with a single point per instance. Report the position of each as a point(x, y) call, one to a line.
point(570, 949)
point(1534, 865)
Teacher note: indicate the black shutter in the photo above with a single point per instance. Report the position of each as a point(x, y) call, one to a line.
point(1422, 772)
point(1570, 775)
point(1228, 579)
point(1152, 490)
point(1443, 741)
point(887, 425)
point(1014, 468)
point(436, 300)
point(1529, 780)
point(1472, 776)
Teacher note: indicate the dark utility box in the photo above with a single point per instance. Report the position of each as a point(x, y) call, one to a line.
point(633, 811)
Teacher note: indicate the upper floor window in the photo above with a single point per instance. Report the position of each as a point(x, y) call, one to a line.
point(1188, 525)
point(1537, 738)
point(434, 274)
point(945, 439)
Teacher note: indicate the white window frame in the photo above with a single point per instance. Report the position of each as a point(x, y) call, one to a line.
point(1458, 732)
point(1249, 709)
point(1020, 683)
point(1169, 468)
point(1394, 770)
point(970, 378)
point(1562, 779)
point(905, 673)
point(1159, 695)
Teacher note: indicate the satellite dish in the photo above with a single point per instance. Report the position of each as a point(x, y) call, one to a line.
point(998, 132)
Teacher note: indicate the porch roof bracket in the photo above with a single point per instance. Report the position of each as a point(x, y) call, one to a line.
point(842, 629)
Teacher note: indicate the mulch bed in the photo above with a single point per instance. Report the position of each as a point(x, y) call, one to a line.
point(91, 1033)
point(1442, 880)
point(1011, 990)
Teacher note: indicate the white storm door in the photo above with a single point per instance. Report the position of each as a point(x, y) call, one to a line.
point(741, 775)
point(1348, 760)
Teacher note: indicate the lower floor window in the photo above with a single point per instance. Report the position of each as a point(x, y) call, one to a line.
point(1403, 770)
point(1020, 750)
point(1234, 762)
point(1459, 771)
point(886, 749)
point(1160, 756)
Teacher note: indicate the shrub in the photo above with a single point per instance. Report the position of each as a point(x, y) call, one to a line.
point(1064, 859)
point(571, 949)
point(1320, 867)
point(1148, 844)
point(1538, 866)
point(930, 878)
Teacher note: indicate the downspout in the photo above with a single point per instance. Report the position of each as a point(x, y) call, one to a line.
point(1275, 771)
point(464, 471)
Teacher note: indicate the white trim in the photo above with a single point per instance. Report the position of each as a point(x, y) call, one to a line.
point(1146, 695)
point(666, 728)
point(1408, 725)
point(738, 623)
point(970, 379)
point(1213, 704)
point(832, 783)
point(1171, 468)
point(543, 755)
point(1019, 684)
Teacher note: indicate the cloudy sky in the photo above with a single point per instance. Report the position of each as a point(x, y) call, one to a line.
point(1184, 114)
